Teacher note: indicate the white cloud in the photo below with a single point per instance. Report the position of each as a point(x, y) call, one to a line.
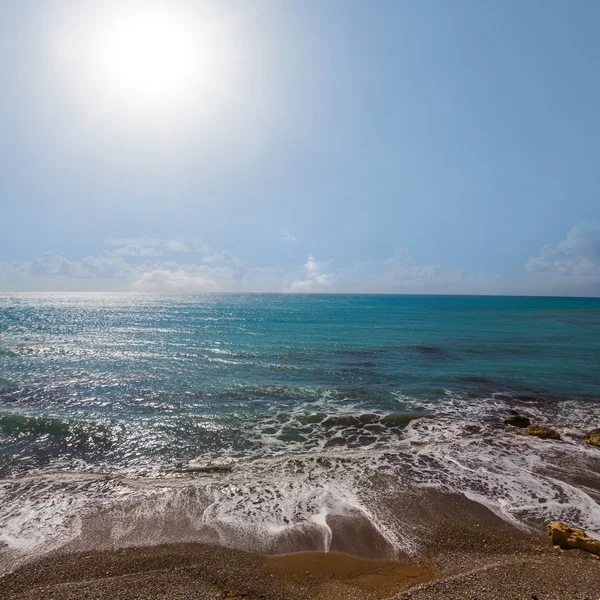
point(577, 255)
point(225, 272)
point(302, 286)
point(315, 278)
point(118, 271)
point(573, 265)
point(55, 272)
point(165, 280)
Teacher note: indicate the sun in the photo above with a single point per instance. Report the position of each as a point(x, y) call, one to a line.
point(133, 62)
point(149, 58)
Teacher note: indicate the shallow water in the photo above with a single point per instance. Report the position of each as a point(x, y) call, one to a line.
point(102, 396)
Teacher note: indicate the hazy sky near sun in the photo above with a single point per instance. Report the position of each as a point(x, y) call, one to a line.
point(393, 146)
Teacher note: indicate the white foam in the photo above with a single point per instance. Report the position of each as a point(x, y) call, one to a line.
point(262, 505)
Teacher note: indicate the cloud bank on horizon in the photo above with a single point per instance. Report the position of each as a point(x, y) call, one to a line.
point(301, 147)
point(186, 264)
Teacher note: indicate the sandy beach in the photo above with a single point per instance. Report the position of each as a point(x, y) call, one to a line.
point(467, 553)
point(198, 571)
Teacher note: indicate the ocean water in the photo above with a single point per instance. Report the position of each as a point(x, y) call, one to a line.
point(115, 399)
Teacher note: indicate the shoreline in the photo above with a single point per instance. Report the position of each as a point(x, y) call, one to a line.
point(455, 512)
point(466, 552)
point(480, 560)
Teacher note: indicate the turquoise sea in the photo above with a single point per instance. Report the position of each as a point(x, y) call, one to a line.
point(124, 380)
point(138, 387)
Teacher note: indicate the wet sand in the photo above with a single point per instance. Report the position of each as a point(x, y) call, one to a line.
point(339, 575)
point(185, 571)
point(464, 552)
point(473, 556)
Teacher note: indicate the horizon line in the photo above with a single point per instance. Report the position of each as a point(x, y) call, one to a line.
point(216, 293)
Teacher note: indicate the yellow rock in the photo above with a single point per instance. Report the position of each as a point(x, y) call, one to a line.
point(569, 537)
point(593, 438)
point(543, 432)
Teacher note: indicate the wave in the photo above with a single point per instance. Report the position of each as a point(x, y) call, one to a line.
point(289, 501)
point(44, 439)
point(158, 429)
point(359, 420)
point(16, 425)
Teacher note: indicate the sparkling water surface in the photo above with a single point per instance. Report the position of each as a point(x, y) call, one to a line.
point(124, 381)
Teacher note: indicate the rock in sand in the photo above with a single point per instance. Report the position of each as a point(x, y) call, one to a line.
point(570, 538)
point(593, 438)
point(542, 432)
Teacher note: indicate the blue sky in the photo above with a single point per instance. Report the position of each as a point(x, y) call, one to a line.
point(398, 147)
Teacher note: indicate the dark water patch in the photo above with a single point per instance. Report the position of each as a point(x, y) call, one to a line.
point(335, 442)
point(72, 433)
point(366, 440)
point(292, 435)
point(478, 386)
point(430, 351)
point(363, 420)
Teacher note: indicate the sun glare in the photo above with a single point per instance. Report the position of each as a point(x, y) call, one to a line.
point(148, 57)
point(133, 63)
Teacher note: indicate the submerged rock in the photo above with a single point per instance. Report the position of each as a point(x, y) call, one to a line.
point(335, 441)
point(593, 438)
point(569, 538)
point(517, 421)
point(542, 432)
point(204, 469)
